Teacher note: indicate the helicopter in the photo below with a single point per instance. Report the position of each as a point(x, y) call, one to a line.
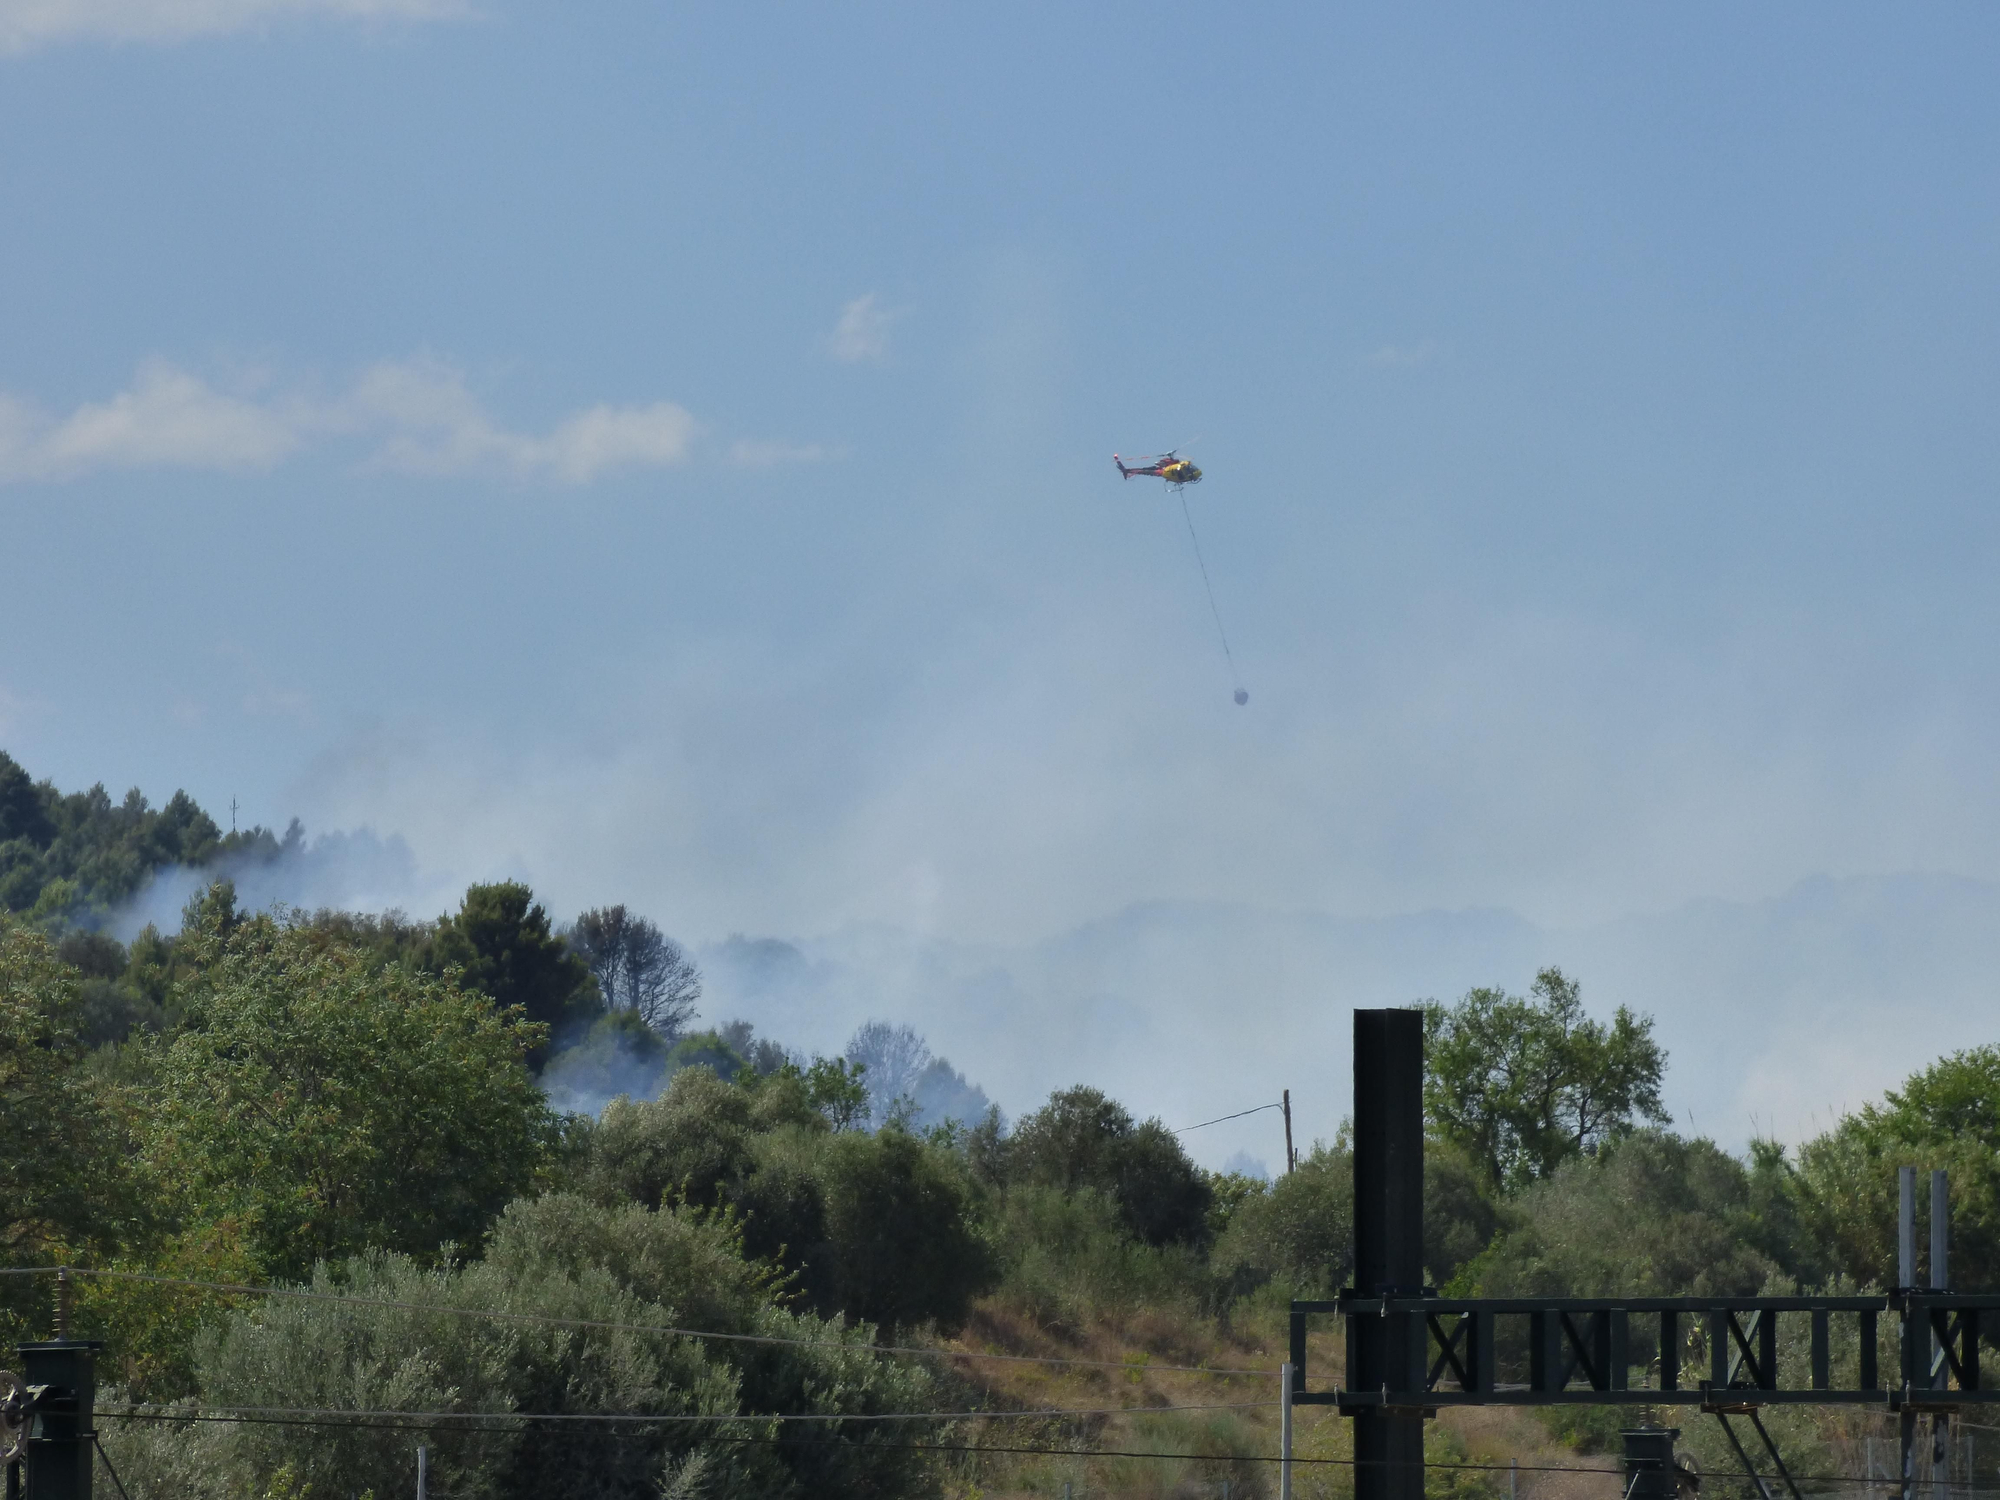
point(1173, 469)
point(1178, 473)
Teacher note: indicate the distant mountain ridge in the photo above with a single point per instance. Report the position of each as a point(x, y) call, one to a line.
point(1776, 1013)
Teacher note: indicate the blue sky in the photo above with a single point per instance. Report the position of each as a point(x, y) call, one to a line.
point(664, 451)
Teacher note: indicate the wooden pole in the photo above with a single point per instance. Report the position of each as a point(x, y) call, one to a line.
point(1291, 1156)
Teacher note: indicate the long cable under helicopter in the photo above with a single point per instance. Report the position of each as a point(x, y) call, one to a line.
point(1236, 679)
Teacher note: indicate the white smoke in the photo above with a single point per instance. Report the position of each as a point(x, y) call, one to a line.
point(348, 871)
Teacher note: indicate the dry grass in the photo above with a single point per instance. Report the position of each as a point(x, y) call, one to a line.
point(1228, 1446)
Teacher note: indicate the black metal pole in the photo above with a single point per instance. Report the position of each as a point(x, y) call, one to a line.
point(63, 1374)
point(1388, 1351)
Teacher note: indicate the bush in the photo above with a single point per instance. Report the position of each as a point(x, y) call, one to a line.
point(881, 1227)
point(1948, 1116)
point(559, 1259)
point(1068, 1258)
point(332, 1106)
point(693, 1142)
point(1652, 1215)
point(1081, 1139)
point(1300, 1229)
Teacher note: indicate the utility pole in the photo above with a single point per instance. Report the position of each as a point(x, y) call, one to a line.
point(1291, 1156)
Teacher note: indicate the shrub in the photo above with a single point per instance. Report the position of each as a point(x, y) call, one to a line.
point(884, 1225)
point(1081, 1139)
point(692, 1141)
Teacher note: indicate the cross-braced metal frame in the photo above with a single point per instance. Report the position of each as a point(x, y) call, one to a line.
point(1410, 1352)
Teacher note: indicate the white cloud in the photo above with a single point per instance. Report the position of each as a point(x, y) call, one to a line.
point(418, 412)
point(437, 426)
point(614, 437)
point(168, 419)
point(862, 334)
point(27, 24)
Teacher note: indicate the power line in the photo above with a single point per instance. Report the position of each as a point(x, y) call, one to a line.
point(242, 1289)
point(247, 1415)
point(1044, 1452)
point(335, 1416)
point(1220, 1118)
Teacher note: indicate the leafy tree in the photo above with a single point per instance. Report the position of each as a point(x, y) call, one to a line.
point(1522, 1085)
point(707, 1049)
point(1947, 1115)
point(764, 1055)
point(834, 1088)
point(63, 1187)
point(111, 1006)
point(1650, 1215)
point(638, 967)
point(329, 1106)
point(388, 937)
point(882, 1227)
point(1460, 1216)
point(691, 1144)
point(69, 859)
point(1081, 1138)
point(501, 942)
point(586, 1281)
point(24, 814)
point(1300, 1228)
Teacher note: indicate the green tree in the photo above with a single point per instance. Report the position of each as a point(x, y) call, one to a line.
point(63, 1186)
point(883, 1226)
point(1081, 1138)
point(1947, 1115)
point(24, 813)
point(1460, 1216)
point(1300, 1229)
point(585, 1283)
point(70, 858)
point(501, 941)
point(1650, 1215)
point(691, 1144)
point(1522, 1085)
point(330, 1106)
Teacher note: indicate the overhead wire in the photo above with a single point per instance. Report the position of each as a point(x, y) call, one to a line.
point(337, 1416)
point(545, 1319)
point(1297, 1460)
point(1220, 1118)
